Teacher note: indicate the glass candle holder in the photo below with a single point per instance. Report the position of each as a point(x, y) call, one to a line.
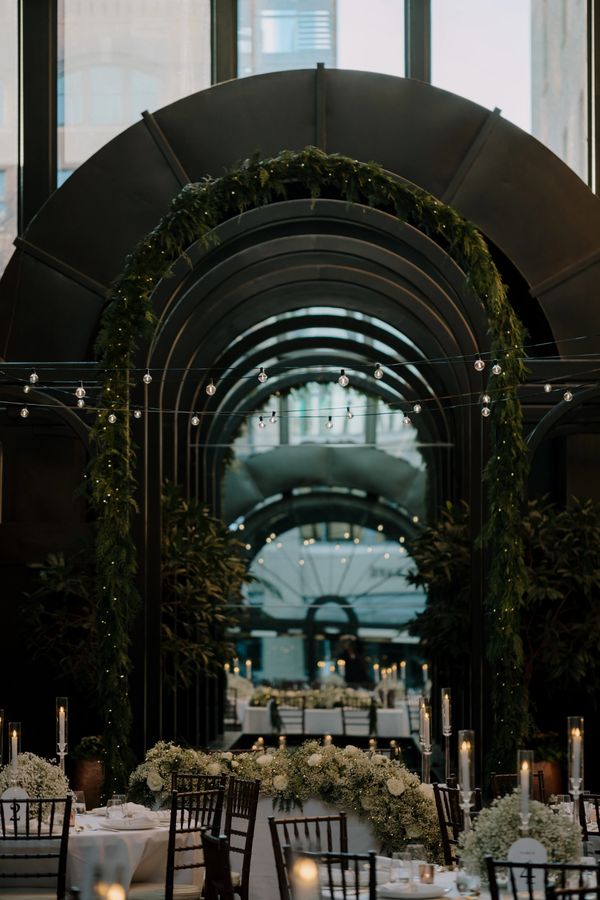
point(1, 737)
point(14, 748)
point(466, 761)
point(575, 751)
point(62, 724)
point(446, 707)
point(525, 786)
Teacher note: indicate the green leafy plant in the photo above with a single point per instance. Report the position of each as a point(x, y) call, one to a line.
point(89, 747)
point(202, 573)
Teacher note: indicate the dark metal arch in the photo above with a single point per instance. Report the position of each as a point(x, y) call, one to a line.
point(562, 412)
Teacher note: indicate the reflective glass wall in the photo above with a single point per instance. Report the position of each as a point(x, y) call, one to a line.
point(118, 59)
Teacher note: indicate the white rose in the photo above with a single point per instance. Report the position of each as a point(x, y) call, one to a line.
point(234, 764)
point(378, 759)
point(265, 760)
point(314, 760)
point(280, 782)
point(351, 750)
point(213, 768)
point(228, 756)
point(154, 781)
point(395, 786)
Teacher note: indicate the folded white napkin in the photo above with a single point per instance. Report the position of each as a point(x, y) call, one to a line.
point(133, 809)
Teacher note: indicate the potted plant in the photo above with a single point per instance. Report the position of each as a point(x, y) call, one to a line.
point(88, 769)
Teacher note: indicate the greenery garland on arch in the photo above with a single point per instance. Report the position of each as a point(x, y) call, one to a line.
point(128, 319)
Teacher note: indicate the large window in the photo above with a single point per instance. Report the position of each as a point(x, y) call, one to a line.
point(9, 112)
point(527, 57)
point(297, 34)
point(118, 59)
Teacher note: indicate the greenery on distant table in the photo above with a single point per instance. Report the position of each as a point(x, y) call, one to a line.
point(392, 799)
point(560, 616)
point(496, 828)
point(89, 747)
point(321, 698)
point(129, 318)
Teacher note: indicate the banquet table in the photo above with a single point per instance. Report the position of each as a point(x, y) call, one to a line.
point(391, 723)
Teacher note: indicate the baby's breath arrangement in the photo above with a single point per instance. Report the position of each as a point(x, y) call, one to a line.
point(37, 776)
point(374, 787)
point(497, 827)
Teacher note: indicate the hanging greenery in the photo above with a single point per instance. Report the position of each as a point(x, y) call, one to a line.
point(129, 318)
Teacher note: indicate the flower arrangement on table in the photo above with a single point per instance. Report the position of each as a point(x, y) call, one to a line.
point(37, 776)
point(496, 828)
point(327, 697)
point(374, 787)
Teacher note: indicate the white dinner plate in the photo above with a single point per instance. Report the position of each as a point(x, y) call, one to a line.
point(399, 891)
point(133, 824)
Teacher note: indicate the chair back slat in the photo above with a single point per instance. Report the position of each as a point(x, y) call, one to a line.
point(451, 818)
point(313, 833)
point(240, 820)
point(192, 812)
point(217, 881)
point(41, 828)
point(292, 714)
point(503, 784)
point(357, 720)
point(346, 876)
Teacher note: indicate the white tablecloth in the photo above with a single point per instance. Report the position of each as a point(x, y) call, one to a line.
point(391, 723)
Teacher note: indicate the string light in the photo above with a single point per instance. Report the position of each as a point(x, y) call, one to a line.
point(261, 422)
point(80, 391)
point(81, 403)
point(262, 375)
point(329, 423)
point(273, 419)
point(479, 365)
point(349, 413)
point(147, 377)
point(112, 418)
point(417, 408)
point(568, 396)
point(211, 389)
point(34, 377)
point(486, 398)
point(195, 420)
point(378, 373)
point(26, 388)
point(343, 380)
point(547, 388)
point(24, 412)
point(496, 369)
point(137, 414)
point(406, 420)
point(486, 411)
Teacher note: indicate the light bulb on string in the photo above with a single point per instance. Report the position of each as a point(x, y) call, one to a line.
point(417, 408)
point(261, 422)
point(329, 423)
point(479, 365)
point(262, 375)
point(547, 388)
point(195, 420)
point(343, 380)
point(34, 377)
point(349, 413)
point(486, 399)
point(137, 414)
point(486, 411)
point(211, 389)
point(24, 412)
point(406, 420)
point(80, 402)
point(567, 396)
point(147, 377)
point(378, 373)
point(112, 418)
point(273, 419)
point(80, 391)
point(496, 369)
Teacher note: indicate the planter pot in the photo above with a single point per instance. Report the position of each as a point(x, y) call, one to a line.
point(553, 777)
point(88, 776)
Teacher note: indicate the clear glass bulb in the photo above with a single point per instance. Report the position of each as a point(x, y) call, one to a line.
point(211, 390)
point(479, 365)
point(112, 418)
point(547, 388)
point(81, 403)
point(568, 396)
point(34, 377)
point(147, 377)
point(262, 375)
point(261, 422)
point(496, 369)
point(343, 380)
point(486, 398)
point(406, 420)
point(349, 413)
point(417, 408)
point(80, 391)
point(24, 412)
point(195, 420)
point(378, 373)
point(329, 423)
point(486, 411)
point(26, 388)
point(137, 414)
point(273, 419)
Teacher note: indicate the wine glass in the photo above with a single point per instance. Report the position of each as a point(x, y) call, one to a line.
point(79, 802)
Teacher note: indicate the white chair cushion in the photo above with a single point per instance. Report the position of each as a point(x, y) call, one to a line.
point(148, 891)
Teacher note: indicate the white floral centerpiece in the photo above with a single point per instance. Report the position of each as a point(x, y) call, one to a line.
point(495, 829)
point(374, 787)
point(39, 777)
point(327, 697)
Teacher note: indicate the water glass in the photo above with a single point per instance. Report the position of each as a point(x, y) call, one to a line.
point(115, 806)
point(79, 802)
point(400, 871)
